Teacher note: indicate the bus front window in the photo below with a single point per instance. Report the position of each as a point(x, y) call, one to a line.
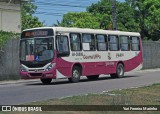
point(38, 49)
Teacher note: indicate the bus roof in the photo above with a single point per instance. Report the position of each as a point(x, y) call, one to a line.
point(87, 30)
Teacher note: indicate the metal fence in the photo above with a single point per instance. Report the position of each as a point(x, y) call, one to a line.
point(9, 58)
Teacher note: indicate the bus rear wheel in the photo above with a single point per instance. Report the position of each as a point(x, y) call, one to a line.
point(119, 71)
point(93, 77)
point(46, 81)
point(76, 73)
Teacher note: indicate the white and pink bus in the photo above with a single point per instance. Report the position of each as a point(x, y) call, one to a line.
point(58, 52)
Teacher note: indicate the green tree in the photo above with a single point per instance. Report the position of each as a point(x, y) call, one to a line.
point(102, 10)
point(132, 15)
point(28, 20)
point(125, 14)
point(58, 24)
point(148, 12)
point(82, 20)
point(91, 18)
point(125, 18)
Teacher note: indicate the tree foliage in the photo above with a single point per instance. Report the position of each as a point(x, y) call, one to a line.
point(148, 13)
point(28, 20)
point(82, 20)
point(132, 15)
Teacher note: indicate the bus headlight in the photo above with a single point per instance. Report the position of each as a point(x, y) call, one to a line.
point(23, 69)
point(50, 67)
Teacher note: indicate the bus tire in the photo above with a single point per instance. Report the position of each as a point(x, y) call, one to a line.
point(93, 77)
point(46, 81)
point(76, 73)
point(119, 71)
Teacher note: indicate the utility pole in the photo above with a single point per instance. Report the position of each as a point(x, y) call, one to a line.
point(115, 27)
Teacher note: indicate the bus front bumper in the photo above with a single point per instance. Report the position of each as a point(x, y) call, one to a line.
point(33, 73)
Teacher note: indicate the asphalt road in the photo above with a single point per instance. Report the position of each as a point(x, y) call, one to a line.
point(19, 92)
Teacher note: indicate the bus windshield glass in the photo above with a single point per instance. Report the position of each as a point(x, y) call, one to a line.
point(36, 49)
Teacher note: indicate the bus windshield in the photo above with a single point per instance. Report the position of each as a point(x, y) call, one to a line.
point(36, 49)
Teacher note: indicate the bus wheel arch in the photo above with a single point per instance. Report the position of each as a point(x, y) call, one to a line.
point(76, 73)
point(120, 69)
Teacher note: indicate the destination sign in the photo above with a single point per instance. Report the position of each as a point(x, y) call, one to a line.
point(37, 33)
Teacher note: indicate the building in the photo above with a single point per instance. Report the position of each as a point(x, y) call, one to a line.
point(10, 16)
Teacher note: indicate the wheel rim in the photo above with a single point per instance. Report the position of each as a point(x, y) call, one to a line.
point(75, 74)
point(120, 70)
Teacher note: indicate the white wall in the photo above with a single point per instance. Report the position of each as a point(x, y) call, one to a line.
point(10, 17)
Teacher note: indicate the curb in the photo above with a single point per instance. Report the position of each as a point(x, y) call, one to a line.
point(18, 81)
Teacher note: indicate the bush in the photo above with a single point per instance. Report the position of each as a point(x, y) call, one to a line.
point(4, 36)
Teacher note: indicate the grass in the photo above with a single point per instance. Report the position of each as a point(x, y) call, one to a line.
point(148, 95)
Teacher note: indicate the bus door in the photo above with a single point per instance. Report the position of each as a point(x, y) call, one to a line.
point(62, 47)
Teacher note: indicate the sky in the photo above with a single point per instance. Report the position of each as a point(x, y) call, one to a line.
point(49, 11)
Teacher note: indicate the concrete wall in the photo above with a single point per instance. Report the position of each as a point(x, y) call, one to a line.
point(10, 16)
point(151, 54)
point(9, 58)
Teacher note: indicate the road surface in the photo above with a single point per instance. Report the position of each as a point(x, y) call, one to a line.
point(19, 92)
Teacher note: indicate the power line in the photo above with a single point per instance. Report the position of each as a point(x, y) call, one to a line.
point(48, 14)
point(57, 4)
point(68, 2)
point(57, 8)
point(37, 12)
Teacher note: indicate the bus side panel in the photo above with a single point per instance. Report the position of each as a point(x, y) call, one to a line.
point(97, 68)
point(64, 67)
point(88, 68)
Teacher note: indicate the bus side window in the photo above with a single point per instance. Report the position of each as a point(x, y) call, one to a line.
point(62, 45)
point(125, 46)
point(101, 42)
point(75, 42)
point(113, 42)
point(88, 42)
point(135, 43)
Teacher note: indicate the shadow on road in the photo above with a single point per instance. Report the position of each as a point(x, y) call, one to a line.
point(84, 80)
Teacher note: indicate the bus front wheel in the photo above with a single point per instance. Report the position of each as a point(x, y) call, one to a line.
point(46, 81)
point(76, 73)
point(119, 71)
